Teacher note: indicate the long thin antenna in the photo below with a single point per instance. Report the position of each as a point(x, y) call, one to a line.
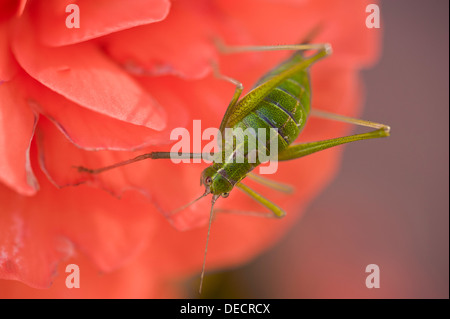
point(188, 204)
point(214, 198)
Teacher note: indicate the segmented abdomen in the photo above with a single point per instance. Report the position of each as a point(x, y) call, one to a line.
point(285, 108)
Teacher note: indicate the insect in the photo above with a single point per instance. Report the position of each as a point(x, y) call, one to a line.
point(280, 100)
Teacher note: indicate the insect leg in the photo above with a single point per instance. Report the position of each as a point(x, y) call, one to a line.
point(239, 86)
point(275, 211)
point(346, 119)
point(300, 150)
point(152, 155)
point(284, 188)
point(244, 212)
point(234, 99)
point(291, 47)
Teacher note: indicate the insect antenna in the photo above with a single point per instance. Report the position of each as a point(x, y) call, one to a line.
point(188, 204)
point(214, 198)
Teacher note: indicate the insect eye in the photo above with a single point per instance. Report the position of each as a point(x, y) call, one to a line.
point(225, 195)
point(208, 180)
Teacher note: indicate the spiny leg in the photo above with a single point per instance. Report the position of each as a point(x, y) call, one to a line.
point(275, 211)
point(305, 41)
point(346, 119)
point(152, 155)
point(239, 86)
point(284, 188)
point(300, 150)
point(234, 99)
point(290, 47)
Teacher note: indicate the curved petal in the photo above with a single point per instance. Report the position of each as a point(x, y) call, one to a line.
point(8, 66)
point(37, 232)
point(96, 18)
point(58, 158)
point(83, 75)
point(9, 9)
point(158, 48)
point(91, 130)
point(133, 281)
point(17, 123)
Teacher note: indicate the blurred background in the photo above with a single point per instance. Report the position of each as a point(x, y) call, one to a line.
point(389, 208)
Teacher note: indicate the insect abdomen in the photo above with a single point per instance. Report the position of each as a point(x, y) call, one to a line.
point(285, 108)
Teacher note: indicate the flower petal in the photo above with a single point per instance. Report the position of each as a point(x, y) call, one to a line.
point(85, 76)
point(34, 239)
point(158, 48)
point(91, 130)
point(17, 123)
point(133, 281)
point(8, 66)
point(10, 8)
point(96, 18)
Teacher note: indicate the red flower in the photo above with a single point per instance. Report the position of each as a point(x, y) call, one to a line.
point(130, 74)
